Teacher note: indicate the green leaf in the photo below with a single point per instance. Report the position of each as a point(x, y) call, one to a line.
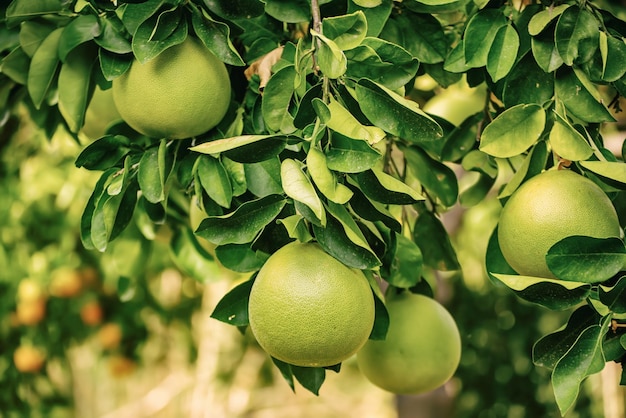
point(263, 178)
point(235, 9)
point(113, 65)
point(382, 62)
point(244, 224)
point(19, 11)
point(567, 142)
point(32, 34)
point(551, 293)
point(613, 68)
point(311, 378)
point(15, 66)
point(149, 176)
point(438, 179)
point(146, 46)
point(330, 58)
point(422, 35)
point(245, 148)
point(289, 11)
point(335, 241)
point(372, 210)
point(216, 37)
point(80, 30)
point(43, 68)
point(432, 238)
point(395, 114)
point(611, 170)
point(550, 348)
point(191, 258)
point(239, 257)
point(533, 164)
point(112, 36)
point(614, 297)
point(298, 186)
point(580, 97)
point(277, 98)
point(75, 87)
point(346, 124)
point(495, 262)
point(347, 155)
point(406, 269)
point(104, 152)
point(384, 188)
point(215, 180)
point(542, 19)
point(347, 31)
point(503, 53)
point(480, 34)
point(586, 259)
point(513, 131)
point(583, 359)
point(381, 315)
point(324, 179)
point(576, 35)
point(528, 83)
point(545, 52)
point(233, 306)
point(376, 12)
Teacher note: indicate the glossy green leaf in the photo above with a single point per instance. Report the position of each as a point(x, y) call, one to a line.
point(325, 179)
point(245, 148)
point(290, 11)
point(311, 378)
point(614, 68)
point(382, 62)
point(395, 114)
point(113, 65)
point(335, 241)
point(611, 170)
point(503, 52)
point(567, 142)
point(406, 270)
point(32, 34)
point(277, 98)
point(244, 224)
point(263, 178)
point(75, 86)
point(216, 37)
point(384, 188)
point(576, 35)
point(586, 259)
point(90, 209)
point(614, 297)
point(192, 258)
point(345, 123)
point(112, 36)
point(347, 155)
point(583, 359)
point(551, 347)
point(19, 11)
point(104, 152)
point(80, 30)
point(438, 179)
point(542, 19)
point(239, 257)
point(235, 9)
point(298, 186)
point(371, 210)
point(581, 98)
point(331, 60)
point(479, 36)
point(528, 83)
point(149, 176)
point(145, 47)
point(478, 191)
point(15, 66)
point(434, 242)
point(422, 35)
point(513, 131)
point(215, 180)
point(533, 164)
point(376, 12)
point(347, 31)
point(43, 68)
point(233, 306)
point(545, 52)
point(495, 262)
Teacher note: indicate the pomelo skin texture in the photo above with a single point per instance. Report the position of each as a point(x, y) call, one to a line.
point(547, 208)
point(308, 309)
point(421, 351)
point(183, 92)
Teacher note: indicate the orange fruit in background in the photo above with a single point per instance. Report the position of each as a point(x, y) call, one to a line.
point(28, 359)
point(421, 351)
point(183, 92)
point(65, 282)
point(31, 312)
point(547, 208)
point(110, 336)
point(120, 366)
point(91, 313)
point(308, 309)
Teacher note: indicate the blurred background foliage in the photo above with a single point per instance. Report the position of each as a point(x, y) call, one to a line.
point(127, 334)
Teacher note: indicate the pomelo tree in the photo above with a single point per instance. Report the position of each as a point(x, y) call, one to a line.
point(326, 137)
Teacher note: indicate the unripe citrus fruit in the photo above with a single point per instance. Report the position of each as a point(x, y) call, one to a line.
point(65, 282)
point(182, 92)
point(308, 309)
point(421, 351)
point(110, 336)
point(547, 208)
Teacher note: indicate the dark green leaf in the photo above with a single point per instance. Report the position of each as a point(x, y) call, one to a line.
point(15, 66)
point(264, 178)
point(372, 210)
point(381, 319)
point(533, 164)
point(406, 268)
point(233, 307)
point(245, 148)
point(528, 83)
point(43, 68)
point(347, 155)
point(614, 297)
point(239, 257)
point(235, 9)
point(75, 86)
point(145, 47)
point(438, 179)
point(277, 98)
point(285, 371)
point(580, 97)
point(545, 52)
point(550, 348)
point(80, 30)
point(290, 11)
point(244, 224)
point(423, 36)
point(395, 114)
point(432, 238)
point(347, 31)
point(33, 33)
point(103, 153)
point(216, 37)
point(376, 12)
point(576, 35)
point(215, 180)
point(384, 188)
point(113, 65)
point(112, 37)
point(480, 34)
point(311, 378)
point(19, 11)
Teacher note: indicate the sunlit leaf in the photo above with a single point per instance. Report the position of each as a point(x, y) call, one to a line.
point(513, 131)
point(298, 186)
point(567, 142)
